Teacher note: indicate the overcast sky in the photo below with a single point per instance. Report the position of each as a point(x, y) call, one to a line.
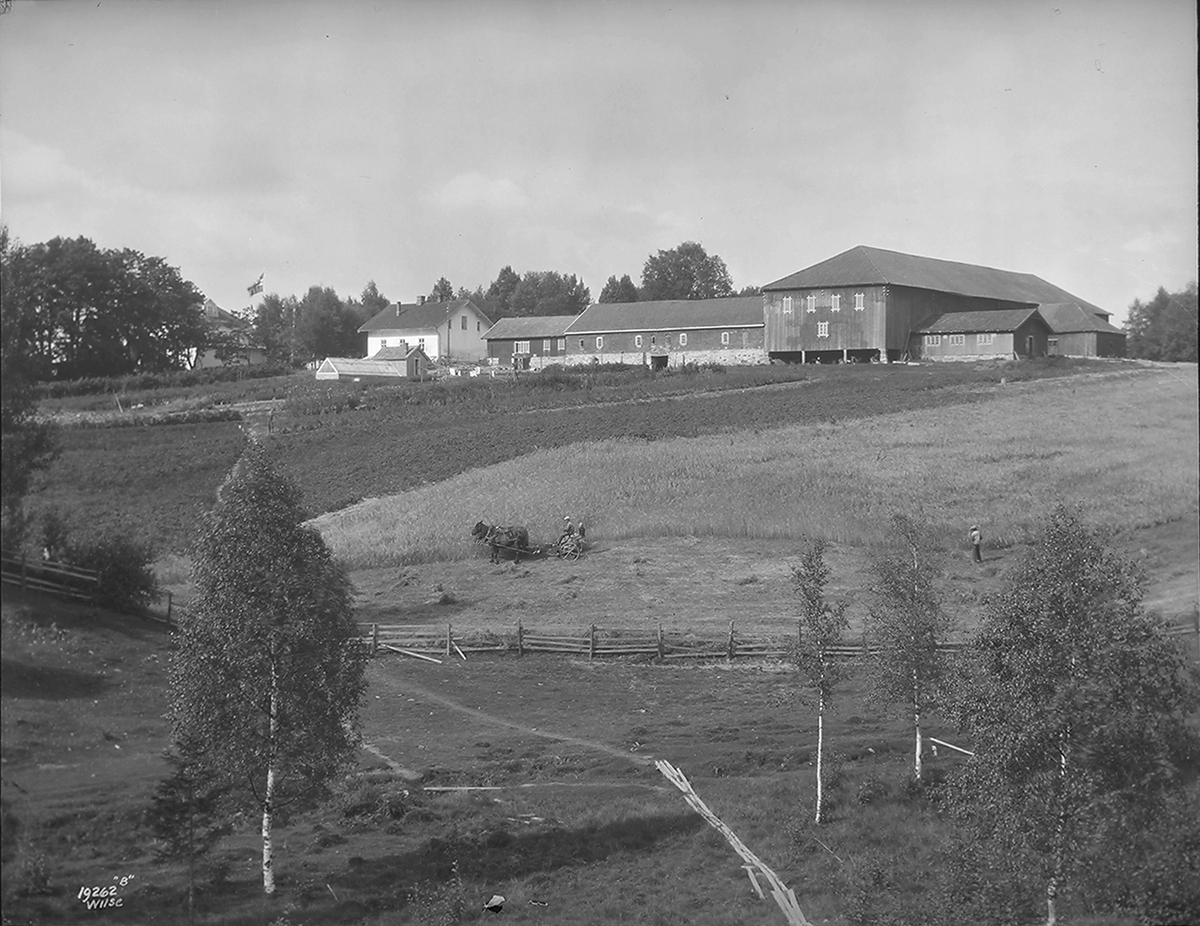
point(334, 143)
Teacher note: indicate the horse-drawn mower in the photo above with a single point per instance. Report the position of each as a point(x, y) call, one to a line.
point(514, 540)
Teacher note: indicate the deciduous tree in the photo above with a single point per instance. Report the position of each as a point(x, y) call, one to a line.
point(268, 674)
point(906, 622)
point(1165, 328)
point(621, 290)
point(1078, 709)
point(685, 272)
point(822, 626)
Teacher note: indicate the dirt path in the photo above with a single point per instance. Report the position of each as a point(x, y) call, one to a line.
point(388, 685)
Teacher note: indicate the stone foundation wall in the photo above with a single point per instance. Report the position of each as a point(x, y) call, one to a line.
point(675, 358)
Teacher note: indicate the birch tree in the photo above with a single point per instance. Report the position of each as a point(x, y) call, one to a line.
point(905, 624)
point(1078, 709)
point(821, 626)
point(267, 675)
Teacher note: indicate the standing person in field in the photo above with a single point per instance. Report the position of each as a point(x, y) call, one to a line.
point(976, 540)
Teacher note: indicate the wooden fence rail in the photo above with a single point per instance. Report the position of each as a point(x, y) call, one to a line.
point(44, 576)
point(594, 642)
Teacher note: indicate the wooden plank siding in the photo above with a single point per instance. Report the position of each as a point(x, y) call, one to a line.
point(1088, 344)
point(849, 328)
point(502, 350)
point(667, 342)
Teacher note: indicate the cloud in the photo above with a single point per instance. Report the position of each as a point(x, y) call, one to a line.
point(1150, 242)
point(474, 189)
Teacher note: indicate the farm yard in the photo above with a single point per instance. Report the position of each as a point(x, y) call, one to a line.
point(696, 503)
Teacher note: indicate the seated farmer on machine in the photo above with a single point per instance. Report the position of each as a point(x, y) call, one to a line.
point(568, 528)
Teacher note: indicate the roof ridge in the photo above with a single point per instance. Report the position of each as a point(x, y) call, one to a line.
point(866, 252)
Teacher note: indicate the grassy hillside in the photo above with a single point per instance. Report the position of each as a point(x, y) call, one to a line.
point(1122, 445)
point(345, 442)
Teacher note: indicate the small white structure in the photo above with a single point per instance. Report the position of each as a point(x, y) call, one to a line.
point(357, 370)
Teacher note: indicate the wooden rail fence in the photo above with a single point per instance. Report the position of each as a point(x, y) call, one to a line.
point(441, 641)
point(44, 576)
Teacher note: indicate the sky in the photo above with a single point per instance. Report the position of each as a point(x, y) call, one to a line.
point(332, 143)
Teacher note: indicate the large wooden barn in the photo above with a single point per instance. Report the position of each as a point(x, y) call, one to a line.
point(871, 304)
point(670, 332)
point(528, 342)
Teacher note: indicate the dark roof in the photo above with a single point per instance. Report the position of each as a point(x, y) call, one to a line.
point(993, 320)
point(521, 327)
point(1064, 317)
point(670, 314)
point(216, 315)
point(427, 316)
point(398, 352)
point(865, 266)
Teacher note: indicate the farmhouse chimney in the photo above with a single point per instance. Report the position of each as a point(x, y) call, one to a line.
point(420, 300)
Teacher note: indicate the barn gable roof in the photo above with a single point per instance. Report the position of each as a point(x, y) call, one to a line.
point(1065, 317)
point(867, 266)
point(993, 320)
point(670, 314)
point(424, 316)
point(520, 327)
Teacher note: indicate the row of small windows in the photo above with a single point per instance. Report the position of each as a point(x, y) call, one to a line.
point(523, 347)
point(958, 340)
point(810, 303)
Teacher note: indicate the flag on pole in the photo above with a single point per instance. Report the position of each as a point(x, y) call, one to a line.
point(256, 286)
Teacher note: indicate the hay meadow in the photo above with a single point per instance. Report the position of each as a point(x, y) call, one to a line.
point(1123, 445)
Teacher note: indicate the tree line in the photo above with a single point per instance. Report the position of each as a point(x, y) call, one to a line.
point(1165, 328)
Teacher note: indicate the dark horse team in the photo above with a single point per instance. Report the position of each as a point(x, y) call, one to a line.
point(502, 537)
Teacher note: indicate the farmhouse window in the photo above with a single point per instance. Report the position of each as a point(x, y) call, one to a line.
point(933, 340)
point(837, 302)
point(859, 300)
point(582, 344)
point(683, 339)
point(822, 329)
point(637, 340)
point(810, 302)
point(600, 342)
point(545, 345)
point(421, 343)
point(653, 340)
point(383, 342)
point(562, 344)
point(464, 323)
point(984, 338)
point(958, 340)
point(521, 347)
point(725, 337)
point(478, 325)
point(787, 305)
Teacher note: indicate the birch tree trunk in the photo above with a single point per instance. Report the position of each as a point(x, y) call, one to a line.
point(820, 750)
point(268, 866)
point(917, 725)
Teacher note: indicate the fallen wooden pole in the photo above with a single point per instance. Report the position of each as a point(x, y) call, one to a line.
point(950, 746)
point(408, 652)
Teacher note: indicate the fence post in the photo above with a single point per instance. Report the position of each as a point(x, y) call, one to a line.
point(520, 638)
point(374, 638)
point(592, 643)
point(449, 638)
point(661, 651)
point(732, 645)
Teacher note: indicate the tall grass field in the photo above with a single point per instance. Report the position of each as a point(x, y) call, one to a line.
point(1121, 445)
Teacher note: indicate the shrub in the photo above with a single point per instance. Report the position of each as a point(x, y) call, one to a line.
point(127, 581)
point(871, 789)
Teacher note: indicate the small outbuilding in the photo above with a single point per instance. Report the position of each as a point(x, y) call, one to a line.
point(999, 334)
point(528, 342)
point(1081, 332)
point(417, 364)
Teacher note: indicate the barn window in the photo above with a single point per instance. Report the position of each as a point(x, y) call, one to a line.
point(859, 300)
point(810, 302)
point(637, 340)
point(653, 340)
point(683, 339)
point(787, 305)
point(600, 342)
point(837, 302)
point(984, 339)
point(822, 329)
point(958, 340)
point(933, 340)
point(582, 344)
point(545, 345)
point(725, 337)
point(562, 344)
point(521, 347)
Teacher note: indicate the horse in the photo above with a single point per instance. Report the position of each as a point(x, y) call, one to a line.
point(498, 537)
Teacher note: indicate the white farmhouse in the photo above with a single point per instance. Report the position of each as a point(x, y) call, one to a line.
point(443, 330)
